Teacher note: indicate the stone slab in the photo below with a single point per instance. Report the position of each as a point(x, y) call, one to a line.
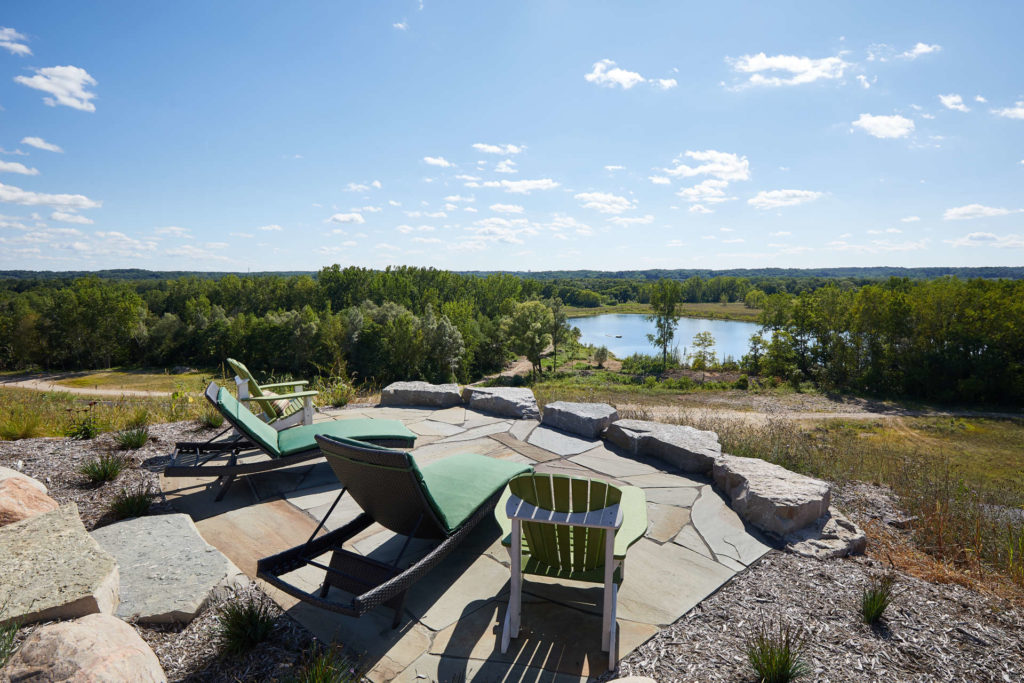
point(665, 480)
point(689, 449)
point(688, 537)
point(168, 572)
point(478, 432)
point(588, 420)
point(832, 535)
point(442, 449)
point(607, 462)
point(723, 530)
point(515, 402)
point(455, 415)
point(53, 569)
point(682, 496)
point(430, 667)
point(532, 452)
point(522, 428)
point(435, 428)
point(560, 443)
point(665, 521)
point(443, 597)
point(421, 394)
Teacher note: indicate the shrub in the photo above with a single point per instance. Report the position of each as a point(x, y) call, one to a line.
point(84, 428)
point(133, 438)
point(742, 383)
point(601, 355)
point(327, 666)
point(776, 653)
point(140, 418)
point(128, 504)
point(243, 623)
point(211, 419)
point(876, 597)
point(104, 468)
point(21, 426)
point(336, 392)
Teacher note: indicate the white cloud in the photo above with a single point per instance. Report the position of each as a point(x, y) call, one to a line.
point(406, 229)
point(15, 167)
point(1014, 112)
point(369, 209)
point(438, 161)
point(971, 211)
point(40, 143)
point(427, 240)
point(988, 239)
point(666, 83)
point(506, 166)
point(245, 235)
point(711, 191)
point(498, 149)
point(67, 84)
point(400, 25)
point(700, 208)
point(773, 199)
point(470, 178)
point(174, 231)
point(781, 233)
point(392, 202)
point(721, 165)
point(613, 168)
point(605, 73)
point(920, 49)
point(865, 82)
point(784, 70)
point(506, 208)
point(363, 187)
point(634, 220)
point(894, 126)
point(14, 42)
point(356, 218)
point(191, 251)
point(604, 202)
point(659, 180)
point(953, 101)
point(675, 243)
point(67, 217)
point(910, 219)
point(16, 195)
point(270, 228)
point(979, 98)
point(459, 198)
point(528, 186)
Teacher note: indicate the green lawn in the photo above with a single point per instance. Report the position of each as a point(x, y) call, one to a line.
point(141, 380)
point(732, 311)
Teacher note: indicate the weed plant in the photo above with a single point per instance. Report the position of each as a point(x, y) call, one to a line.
point(776, 653)
point(8, 634)
point(210, 419)
point(84, 428)
point(327, 666)
point(127, 504)
point(132, 439)
point(104, 468)
point(243, 624)
point(876, 598)
point(140, 418)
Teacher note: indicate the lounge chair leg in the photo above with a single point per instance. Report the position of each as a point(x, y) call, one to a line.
point(227, 479)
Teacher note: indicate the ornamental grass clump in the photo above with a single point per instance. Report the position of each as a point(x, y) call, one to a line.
point(877, 596)
point(132, 439)
point(104, 468)
point(244, 623)
point(127, 504)
point(8, 635)
point(776, 653)
point(20, 426)
point(326, 666)
point(210, 419)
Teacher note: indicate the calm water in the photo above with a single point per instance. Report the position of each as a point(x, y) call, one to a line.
point(626, 334)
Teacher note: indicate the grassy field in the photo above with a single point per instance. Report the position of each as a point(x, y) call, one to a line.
point(142, 379)
point(733, 311)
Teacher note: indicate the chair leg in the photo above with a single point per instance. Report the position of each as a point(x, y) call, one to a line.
point(307, 410)
point(510, 629)
point(613, 634)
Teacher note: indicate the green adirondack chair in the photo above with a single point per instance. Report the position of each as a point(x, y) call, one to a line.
point(281, 410)
point(573, 529)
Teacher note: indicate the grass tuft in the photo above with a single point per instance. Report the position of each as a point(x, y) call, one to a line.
point(20, 426)
point(127, 504)
point(776, 653)
point(8, 634)
point(132, 439)
point(876, 598)
point(140, 418)
point(84, 428)
point(211, 419)
point(244, 623)
point(327, 666)
point(104, 468)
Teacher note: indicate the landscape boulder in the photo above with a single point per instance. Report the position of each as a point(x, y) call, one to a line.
point(7, 473)
point(168, 572)
point(588, 420)
point(514, 402)
point(769, 496)
point(421, 394)
point(51, 568)
point(21, 499)
point(831, 535)
point(689, 449)
point(97, 647)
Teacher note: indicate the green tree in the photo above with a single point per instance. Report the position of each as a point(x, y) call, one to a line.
point(703, 356)
point(528, 331)
point(666, 296)
point(560, 329)
point(601, 355)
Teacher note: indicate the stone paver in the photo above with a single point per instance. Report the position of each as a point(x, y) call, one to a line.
point(452, 617)
point(168, 572)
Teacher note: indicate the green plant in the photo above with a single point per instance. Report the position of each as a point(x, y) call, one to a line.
point(139, 418)
point(128, 504)
point(326, 666)
point(8, 633)
point(776, 652)
point(243, 623)
point(210, 419)
point(20, 426)
point(131, 439)
point(336, 392)
point(876, 598)
point(104, 468)
point(84, 428)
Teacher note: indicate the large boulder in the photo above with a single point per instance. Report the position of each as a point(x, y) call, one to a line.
point(689, 449)
point(51, 568)
point(94, 649)
point(831, 535)
point(168, 572)
point(518, 403)
point(421, 394)
point(21, 499)
point(7, 473)
point(588, 420)
point(771, 497)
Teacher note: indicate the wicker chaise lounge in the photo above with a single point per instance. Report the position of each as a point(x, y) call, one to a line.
point(444, 500)
point(285, 448)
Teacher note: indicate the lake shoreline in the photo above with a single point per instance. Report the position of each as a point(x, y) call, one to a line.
point(625, 334)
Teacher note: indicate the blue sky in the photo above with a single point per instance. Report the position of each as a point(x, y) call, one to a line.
point(517, 136)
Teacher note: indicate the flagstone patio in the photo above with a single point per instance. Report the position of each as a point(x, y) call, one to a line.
point(451, 630)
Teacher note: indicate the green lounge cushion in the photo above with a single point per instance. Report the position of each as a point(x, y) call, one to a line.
point(255, 428)
point(456, 486)
point(301, 438)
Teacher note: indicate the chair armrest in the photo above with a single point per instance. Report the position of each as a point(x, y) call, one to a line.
point(297, 394)
point(606, 518)
point(284, 384)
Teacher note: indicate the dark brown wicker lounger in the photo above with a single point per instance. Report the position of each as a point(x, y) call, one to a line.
point(444, 500)
point(285, 448)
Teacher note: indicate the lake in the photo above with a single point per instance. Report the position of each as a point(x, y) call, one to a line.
point(626, 334)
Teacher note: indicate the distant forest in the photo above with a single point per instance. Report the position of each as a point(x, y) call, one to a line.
point(946, 334)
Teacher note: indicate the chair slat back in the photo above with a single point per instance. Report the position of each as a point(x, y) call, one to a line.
point(243, 372)
point(565, 546)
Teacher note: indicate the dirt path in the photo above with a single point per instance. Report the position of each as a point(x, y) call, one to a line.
point(48, 384)
point(894, 415)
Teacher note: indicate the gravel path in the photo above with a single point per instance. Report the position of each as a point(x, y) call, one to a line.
point(48, 384)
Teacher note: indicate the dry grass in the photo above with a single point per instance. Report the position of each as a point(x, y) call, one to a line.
point(140, 380)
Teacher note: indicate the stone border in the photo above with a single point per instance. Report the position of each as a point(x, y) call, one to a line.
point(791, 507)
